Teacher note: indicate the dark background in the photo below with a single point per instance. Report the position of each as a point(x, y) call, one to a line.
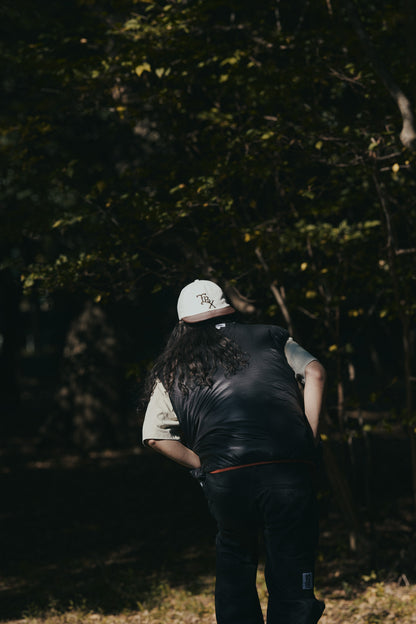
point(92, 518)
point(146, 144)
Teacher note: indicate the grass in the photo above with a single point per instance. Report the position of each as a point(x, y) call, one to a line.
point(123, 538)
point(376, 604)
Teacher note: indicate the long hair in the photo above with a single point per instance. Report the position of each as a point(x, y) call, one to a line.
point(192, 354)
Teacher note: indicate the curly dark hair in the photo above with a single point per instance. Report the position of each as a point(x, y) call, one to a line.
point(192, 354)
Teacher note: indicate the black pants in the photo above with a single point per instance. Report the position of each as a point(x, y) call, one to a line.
point(278, 499)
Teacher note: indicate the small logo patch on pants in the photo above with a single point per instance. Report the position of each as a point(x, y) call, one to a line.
point(307, 580)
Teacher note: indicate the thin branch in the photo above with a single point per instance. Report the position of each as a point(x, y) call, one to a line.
point(277, 16)
point(301, 17)
point(307, 313)
point(239, 301)
point(401, 252)
point(345, 78)
point(278, 293)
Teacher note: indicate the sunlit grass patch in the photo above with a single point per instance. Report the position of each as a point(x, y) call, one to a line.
point(379, 603)
point(165, 603)
point(162, 604)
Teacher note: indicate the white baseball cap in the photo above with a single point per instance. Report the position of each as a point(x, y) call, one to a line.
point(201, 300)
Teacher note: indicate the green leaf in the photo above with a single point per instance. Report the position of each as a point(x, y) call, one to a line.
point(140, 69)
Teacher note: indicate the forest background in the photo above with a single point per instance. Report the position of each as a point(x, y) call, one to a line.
point(269, 147)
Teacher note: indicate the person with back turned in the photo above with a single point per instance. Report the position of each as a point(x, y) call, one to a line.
point(224, 401)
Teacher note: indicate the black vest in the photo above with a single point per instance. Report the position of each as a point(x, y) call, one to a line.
point(255, 415)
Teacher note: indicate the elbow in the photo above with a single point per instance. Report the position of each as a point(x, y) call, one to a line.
point(151, 443)
point(314, 371)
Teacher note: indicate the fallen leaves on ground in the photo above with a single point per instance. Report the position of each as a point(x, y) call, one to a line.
point(376, 604)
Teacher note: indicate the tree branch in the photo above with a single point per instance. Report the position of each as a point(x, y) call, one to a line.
point(408, 132)
point(239, 301)
point(278, 293)
point(401, 252)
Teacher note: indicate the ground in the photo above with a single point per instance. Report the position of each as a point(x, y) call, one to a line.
point(123, 537)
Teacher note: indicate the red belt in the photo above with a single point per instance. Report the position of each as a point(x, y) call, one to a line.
point(262, 463)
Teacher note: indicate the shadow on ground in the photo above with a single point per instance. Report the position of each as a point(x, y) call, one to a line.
point(105, 530)
point(102, 530)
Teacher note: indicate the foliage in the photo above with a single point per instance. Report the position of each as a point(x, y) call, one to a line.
point(149, 143)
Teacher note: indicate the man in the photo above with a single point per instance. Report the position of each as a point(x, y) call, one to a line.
point(224, 401)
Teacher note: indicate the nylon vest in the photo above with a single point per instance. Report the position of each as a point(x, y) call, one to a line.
point(252, 416)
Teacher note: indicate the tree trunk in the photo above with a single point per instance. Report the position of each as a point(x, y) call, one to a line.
point(400, 302)
point(409, 398)
point(342, 493)
point(89, 398)
point(9, 349)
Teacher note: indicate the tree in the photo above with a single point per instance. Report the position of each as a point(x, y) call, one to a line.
point(254, 145)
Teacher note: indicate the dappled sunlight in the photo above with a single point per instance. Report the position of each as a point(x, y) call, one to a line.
point(125, 537)
point(377, 604)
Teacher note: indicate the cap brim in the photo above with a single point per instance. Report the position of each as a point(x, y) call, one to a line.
point(205, 316)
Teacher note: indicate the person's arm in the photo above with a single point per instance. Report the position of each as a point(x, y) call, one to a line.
point(313, 394)
point(160, 421)
point(161, 430)
point(178, 452)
